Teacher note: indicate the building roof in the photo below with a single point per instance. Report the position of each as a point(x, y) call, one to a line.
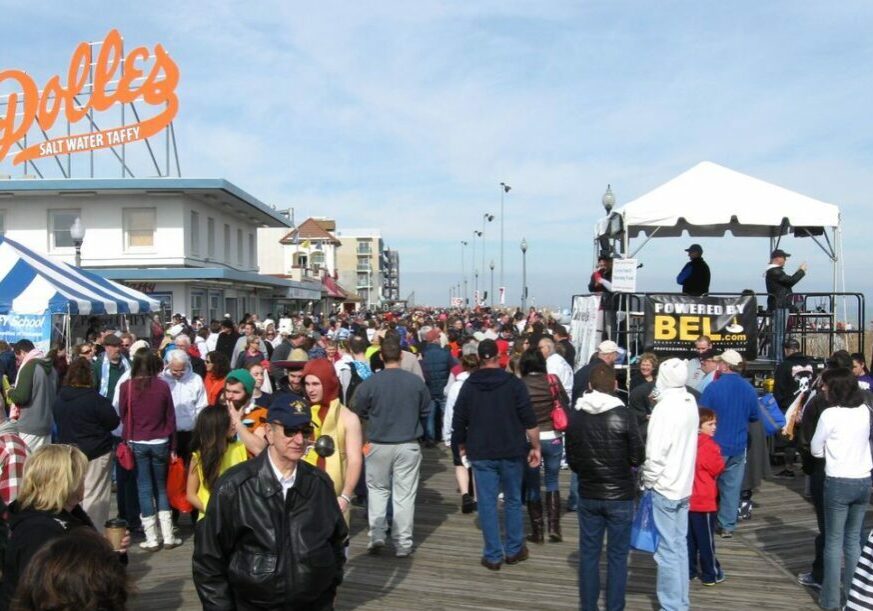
point(192, 273)
point(214, 191)
point(310, 229)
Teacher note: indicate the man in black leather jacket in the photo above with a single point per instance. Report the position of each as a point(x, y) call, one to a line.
point(779, 293)
point(273, 536)
point(603, 447)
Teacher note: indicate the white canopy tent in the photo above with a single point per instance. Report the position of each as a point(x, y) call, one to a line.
point(709, 200)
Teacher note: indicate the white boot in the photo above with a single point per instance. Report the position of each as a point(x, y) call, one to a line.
point(150, 528)
point(170, 540)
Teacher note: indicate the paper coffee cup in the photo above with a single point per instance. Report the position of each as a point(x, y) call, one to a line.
point(115, 530)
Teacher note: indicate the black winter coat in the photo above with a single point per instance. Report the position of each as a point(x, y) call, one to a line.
point(602, 449)
point(258, 549)
point(85, 419)
point(779, 287)
point(697, 282)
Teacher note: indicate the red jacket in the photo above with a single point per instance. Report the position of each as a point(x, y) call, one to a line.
point(707, 468)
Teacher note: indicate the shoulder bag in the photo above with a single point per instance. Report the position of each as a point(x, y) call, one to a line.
point(560, 422)
point(123, 452)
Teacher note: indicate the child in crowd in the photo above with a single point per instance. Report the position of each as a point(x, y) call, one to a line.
point(704, 507)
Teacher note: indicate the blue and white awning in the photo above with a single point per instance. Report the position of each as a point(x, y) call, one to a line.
point(30, 283)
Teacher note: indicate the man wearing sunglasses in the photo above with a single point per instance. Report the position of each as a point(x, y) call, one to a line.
point(273, 536)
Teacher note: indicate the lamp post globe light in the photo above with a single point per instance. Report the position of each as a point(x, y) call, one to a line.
point(77, 233)
point(523, 275)
point(608, 199)
point(504, 189)
point(491, 266)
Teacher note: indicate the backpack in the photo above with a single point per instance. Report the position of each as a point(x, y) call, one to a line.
point(770, 415)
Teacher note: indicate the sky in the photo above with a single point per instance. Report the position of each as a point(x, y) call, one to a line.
point(407, 116)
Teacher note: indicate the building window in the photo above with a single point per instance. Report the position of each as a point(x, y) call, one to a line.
point(139, 228)
point(300, 259)
point(210, 238)
point(239, 247)
point(317, 258)
point(196, 305)
point(226, 243)
point(214, 304)
point(195, 233)
point(251, 251)
point(60, 222)
point(364, 248)
point(363, 279)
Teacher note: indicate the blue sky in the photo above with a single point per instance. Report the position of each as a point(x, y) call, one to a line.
point(407, 116)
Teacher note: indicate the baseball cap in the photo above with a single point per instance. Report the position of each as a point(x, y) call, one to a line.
point(779, 253)
point(731, 357)
point(289, 410)
point(607, 347)
point(244, 377)
point(487, 349)
point(695, 248)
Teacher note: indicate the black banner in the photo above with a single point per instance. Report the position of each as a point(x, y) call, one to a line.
point(673, 322)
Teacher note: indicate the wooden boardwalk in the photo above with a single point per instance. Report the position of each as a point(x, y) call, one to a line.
point(444, 573)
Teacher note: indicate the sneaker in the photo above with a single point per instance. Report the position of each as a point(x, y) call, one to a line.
point(726, 534)
point(403, 552)
point(375, 546)
point(718, 579)
point(785, 474)
point(806, 579)
point(745, 511)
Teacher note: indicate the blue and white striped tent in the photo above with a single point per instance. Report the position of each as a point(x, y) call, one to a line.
point(30, 283)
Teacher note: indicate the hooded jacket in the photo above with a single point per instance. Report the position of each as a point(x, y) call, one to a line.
point(603, 446)
point(85, 419)
point(189, 396)
point(492, 413)
point(671, 445)
point(34, 392)
point(779, 286)
point(436, 363)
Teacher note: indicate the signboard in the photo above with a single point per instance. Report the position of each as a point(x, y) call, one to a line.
point(502, 292)
point(476, 297)
point(673, 322)
point(624, 275)
point(35, 327)
point(584, 334)
point(457, 302)
point(91, 84)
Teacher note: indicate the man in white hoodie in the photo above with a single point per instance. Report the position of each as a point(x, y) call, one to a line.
point(671, 449)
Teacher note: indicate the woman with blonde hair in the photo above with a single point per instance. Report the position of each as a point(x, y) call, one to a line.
point(48, 506)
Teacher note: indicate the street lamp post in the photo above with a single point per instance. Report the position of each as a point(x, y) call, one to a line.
point(491, 265)
point(523, 276)
point(504, 189)
point(464, 270)
point(486, 218)
point(476, 234)
point(77, 233)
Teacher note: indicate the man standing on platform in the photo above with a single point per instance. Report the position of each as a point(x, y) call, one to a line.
point(779, 297)
point(395, 404)
point(495, 426)
point(694, 277)
point(735, 404)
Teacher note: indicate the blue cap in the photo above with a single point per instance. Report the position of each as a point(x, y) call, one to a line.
point(289, 409)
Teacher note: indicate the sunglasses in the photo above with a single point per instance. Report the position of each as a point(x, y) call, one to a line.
point(292, 431)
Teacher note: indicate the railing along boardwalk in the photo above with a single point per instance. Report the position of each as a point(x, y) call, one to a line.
point(444, 572)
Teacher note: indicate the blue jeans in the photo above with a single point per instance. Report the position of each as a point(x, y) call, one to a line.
point(671, 520)
point(151, 476)
point(845, 501)
point(552, 451)
point(573, 497)
point(596, 518)
point(729, 484)
point(492, 476)
point(434, 417)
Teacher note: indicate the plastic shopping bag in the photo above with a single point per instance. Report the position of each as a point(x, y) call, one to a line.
point(644, 535)
point(177, 481)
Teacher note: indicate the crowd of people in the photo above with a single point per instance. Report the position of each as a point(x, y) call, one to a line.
point(279, 426)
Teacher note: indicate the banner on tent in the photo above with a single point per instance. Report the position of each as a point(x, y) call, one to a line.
point(35, 327)
point(673, 322)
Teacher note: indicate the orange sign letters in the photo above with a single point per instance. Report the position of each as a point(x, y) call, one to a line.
point(156, 88)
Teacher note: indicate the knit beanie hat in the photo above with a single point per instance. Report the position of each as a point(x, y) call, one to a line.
point(245, 378)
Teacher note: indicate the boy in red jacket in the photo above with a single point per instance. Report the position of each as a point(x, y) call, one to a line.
point(704, 507)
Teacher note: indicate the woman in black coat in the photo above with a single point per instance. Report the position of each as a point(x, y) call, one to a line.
point(86, 420)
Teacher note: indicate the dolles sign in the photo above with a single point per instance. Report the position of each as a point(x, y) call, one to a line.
point(29, 104)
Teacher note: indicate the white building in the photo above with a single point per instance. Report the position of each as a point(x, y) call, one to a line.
point(190, 243)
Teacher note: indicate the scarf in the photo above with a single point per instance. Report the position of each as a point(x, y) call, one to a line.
point(104, 373)
point(36, 353)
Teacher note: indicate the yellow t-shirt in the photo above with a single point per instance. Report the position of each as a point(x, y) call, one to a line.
point(233, 455)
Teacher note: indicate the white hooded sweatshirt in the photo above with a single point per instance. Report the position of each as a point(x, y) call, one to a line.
point(671, 445)
point(596, 402)
point(189, 395)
